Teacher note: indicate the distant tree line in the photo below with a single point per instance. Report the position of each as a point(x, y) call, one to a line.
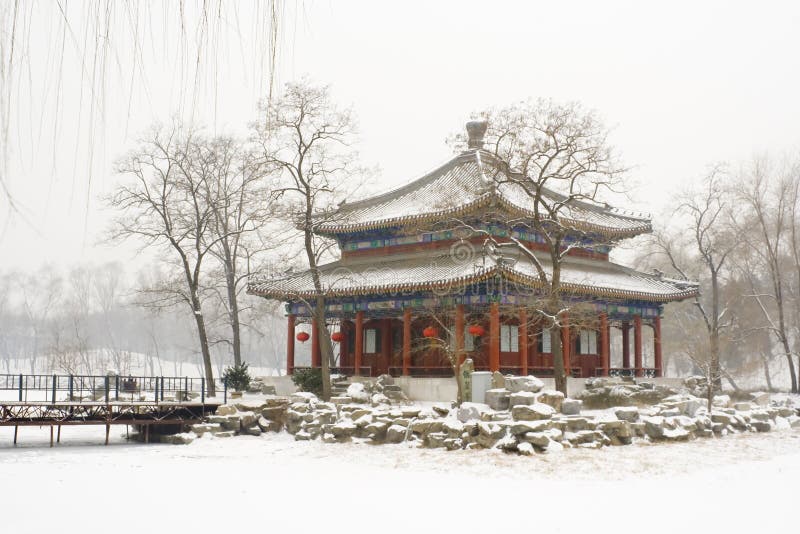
point(88, 320)
point(737, 232)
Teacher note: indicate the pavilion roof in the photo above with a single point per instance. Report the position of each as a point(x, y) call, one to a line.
point(423, 272)
point(462, 186)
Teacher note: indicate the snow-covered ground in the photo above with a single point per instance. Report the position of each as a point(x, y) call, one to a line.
point(742, 483)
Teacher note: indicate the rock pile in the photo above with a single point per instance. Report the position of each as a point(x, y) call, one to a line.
point(524, 418)
point(382, 391)
point(601, 393)
point(241, 418)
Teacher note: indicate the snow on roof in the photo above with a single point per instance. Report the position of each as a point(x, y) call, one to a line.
point(423, 272)
point(460, 186)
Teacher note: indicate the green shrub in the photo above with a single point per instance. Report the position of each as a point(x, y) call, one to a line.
point(308, 380)
point(237, 378)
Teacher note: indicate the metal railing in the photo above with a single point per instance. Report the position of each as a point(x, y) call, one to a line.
point(364, 370)
point(642, 372)
point(423, 371)
point(93, 388)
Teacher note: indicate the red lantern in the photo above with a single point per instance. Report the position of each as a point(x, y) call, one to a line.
point(337, 336)
point(429, 332)
point(302, 337)
point(476, 330)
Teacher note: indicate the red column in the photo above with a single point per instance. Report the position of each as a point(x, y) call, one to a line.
point(406, 341)
point(359, 341)
point(386, 345)
point(626, 345)
point(494, 337)
point(657, 345)
point(459, 334)
point(316, 359)
point(565, 344)
point(344, 350)
point(290, 321)
point(604, 344)
point(523, 341)
point(637, 344)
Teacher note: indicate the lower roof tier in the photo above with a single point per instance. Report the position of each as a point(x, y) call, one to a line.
point(463, 268)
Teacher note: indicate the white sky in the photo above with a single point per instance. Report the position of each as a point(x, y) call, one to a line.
point(683, 84)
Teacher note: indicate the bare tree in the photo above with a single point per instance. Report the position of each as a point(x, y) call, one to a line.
point(558, 158)
point(763, 224)
point(41, 294)
point(238, 200)
point(704, 252)
point(306, 142)
point(165, 207)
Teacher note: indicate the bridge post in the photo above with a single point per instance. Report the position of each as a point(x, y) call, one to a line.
point(162, 388)
point(55, 379)
point(156, 391)
point(203, 390)
point(70, 387)
point(20, 393)
point(116, 387)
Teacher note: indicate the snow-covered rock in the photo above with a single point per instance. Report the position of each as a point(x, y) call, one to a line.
point(721, 401)
point(627, 413)
point(571, 406)
point(303, 397)
point(358, 392)
point(247, 420)
point(395, 434)
point(471, 411)
point(521, 398)
point(497, 399)
point(529, 383)
point(379, 399)
point(204, 428)
point(267, 425)
point(343, 429)
point(552, 398)
point(178, 439)
point(226, 409)
point(534, 412)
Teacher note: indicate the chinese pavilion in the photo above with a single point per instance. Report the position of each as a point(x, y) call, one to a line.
point(403, 261)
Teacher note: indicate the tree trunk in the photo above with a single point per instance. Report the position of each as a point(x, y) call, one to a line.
point(767, 375)
point(559, 372)
point(790, 361)
point(714, 366)
point(203, 336)
point(325, 345)
point(233, 305)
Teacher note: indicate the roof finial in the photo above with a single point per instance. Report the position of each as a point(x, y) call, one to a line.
point(476, 130)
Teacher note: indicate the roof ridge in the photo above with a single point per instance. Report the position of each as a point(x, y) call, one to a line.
point(410, 186)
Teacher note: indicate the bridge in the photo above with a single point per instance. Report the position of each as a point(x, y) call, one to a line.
point(170, 403)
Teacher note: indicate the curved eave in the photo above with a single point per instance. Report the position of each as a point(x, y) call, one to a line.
point(484, 200)
point(510, 274)
point(585, 289)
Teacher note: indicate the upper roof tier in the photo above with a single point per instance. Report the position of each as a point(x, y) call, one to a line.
point(462, 186)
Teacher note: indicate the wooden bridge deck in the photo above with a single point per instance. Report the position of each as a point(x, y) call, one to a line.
point(70, 413)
